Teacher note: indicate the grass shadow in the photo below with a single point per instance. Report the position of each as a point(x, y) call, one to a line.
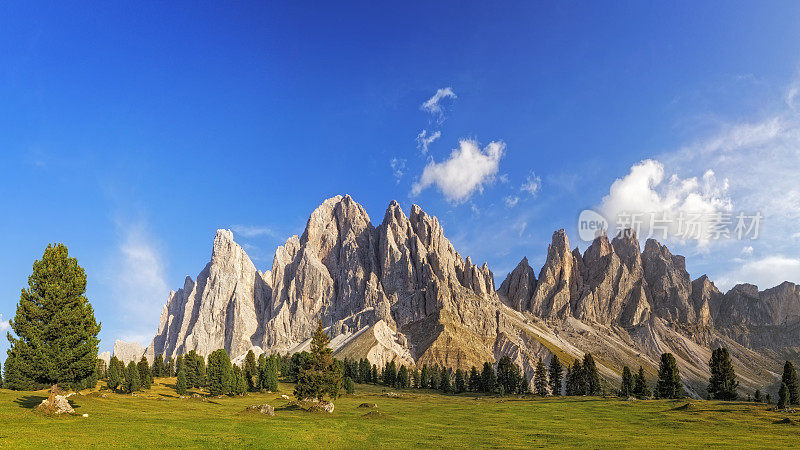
point(29, 401)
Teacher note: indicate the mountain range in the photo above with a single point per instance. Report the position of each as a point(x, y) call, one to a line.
point(400, 291)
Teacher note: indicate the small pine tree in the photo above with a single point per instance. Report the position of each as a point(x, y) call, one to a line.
point(488, 379)
point(349, 385)
point(444, 380)
point(783, 396)
point(434, 377)
point(757, 396)
point(250, 371)
point(555, 374)
point(374, 374)
point(402, 377)
point(626, 389)
point(425, 377)
point(507, 374)
point(669, 378)
point(540, 379)
point(145, 374)
point(180, 365)
point(180, 384)
point(474, 380)
point(415, 379)
point(219, 373)
point(640, 388)
point(591, 377)
point(158, 366)
point(102, 369)
point(170, 368)
point(790, 380)
point(115, 374)
point(390, 374)
point(722, 385)
point(271, 374)
point(460, 384)
point(321, 377)
point(238, 382)
point(365, 371)
point(133, 381)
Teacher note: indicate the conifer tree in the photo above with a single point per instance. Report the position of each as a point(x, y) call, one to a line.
point(783, 396)
point(12, 378)
point(488, 379)
point(55, 331)
point(507, 374)
point(158, 366)
point(261, 369)
point(415, 379)
point(115, 374)
point(790, 380)
point(568, 378)
point(374, 374)
point(180, 384)
point(626, 389)
point(444, 380)
point(640, 388)
point(180, 365)
point(271, 374)
point(390, 374)
point(722, 385)
point(757, 396)
point(460, 384)
point(540, 379)
point(365, 371)
point(238, 382)
point(170, 368)
point(133, 381)
point(101, 369)
point(144, 373)
point(321, 377)
point(474, 380)
point(555, 375)
point(349, 385)
point(591, 377)
point(250, 371)
point(669, 379)
point(434, 377)
point(219, 373)
point(402, 377)
point(424, 377)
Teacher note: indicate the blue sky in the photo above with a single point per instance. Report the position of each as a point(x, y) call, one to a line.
point(131, 132)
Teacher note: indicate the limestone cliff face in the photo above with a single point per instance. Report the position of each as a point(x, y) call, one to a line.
point(342, 271)
point(517, 289)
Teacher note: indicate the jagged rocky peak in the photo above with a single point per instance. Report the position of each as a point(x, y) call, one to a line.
point(518, 288)
point(559, 281)
point(128, 351)
point(745, 305)
point(705, 297)
point(669, 283)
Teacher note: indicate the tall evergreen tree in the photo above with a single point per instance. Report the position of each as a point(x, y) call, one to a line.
point(669, 378)
point(170, 368)
point(261, 370)
point(179, 365)
point(507, 374)
point(365, 371)
point(790, 380)
point(640, 388)
point(321, 377)
point(415, 379)
point(434, 377)
point(158, 366)
point(390, 374)
point(474, 380)
point(576, 384)
point(444, 380)
point(783, 396)
point(424, 377)
point(402, 377)
point(180, 384)
point(12, 378)
point(238, 382)
point(591, 377)
point(55, 331)
point(133, 381)
point(115, 374)
point(540, 379)
point(250, 371)
point(757, 396)
point(722, 385)
point(101, 369)
point(555, 375)
point(488, 379)
point(144, 373)
point(219, 372)
point(460, 384)
point(374, 374)
point(626, 389)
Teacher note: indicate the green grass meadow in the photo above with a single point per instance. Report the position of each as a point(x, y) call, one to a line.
point(158, 418)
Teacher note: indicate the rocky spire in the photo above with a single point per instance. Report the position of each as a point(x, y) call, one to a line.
point(558, 282)
point(518, 288)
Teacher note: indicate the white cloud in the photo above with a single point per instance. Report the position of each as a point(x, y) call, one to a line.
point(250, 231)
point(532, 184)
point(434, 104)
point(398, 168)
point(466, 171)
point(520, 227)
point(424, 140)
point(764, 273)
point(643, 191)
point(792, 96)
point(511, 200)
point(4, 325)
point(140, 284)
point(504, 178)
point(747, 250)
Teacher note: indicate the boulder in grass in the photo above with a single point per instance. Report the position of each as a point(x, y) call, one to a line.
point(55, 404)
point(322, 407)
point(368, 405)
point(262, 409)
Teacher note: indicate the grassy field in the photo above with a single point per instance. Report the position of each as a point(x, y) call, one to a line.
point(416, 419)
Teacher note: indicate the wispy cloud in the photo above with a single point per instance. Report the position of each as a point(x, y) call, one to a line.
point(511, 200)
point(424, 140)
point(465, 172)
point(532, 184)
point(250, 231)
point(398, 166)
point(434, 104)
point(4, 325)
